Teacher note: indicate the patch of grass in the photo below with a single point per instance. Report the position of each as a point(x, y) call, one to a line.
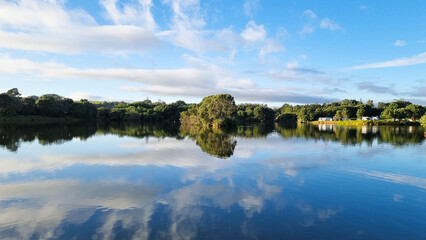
point(385, 122)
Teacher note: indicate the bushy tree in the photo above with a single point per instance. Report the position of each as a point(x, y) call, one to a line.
point(28, 106)
point(213, 111)
point(54, 105)
point(360, 112)
point(415, 111)
point(423, 120)
point(83, 109)
point(8, 105)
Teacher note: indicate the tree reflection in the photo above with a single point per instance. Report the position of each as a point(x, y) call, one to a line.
point(11, 135)
point(216, 142)
point(395, 135)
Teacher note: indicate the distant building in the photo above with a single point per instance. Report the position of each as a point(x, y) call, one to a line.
point(325, 119)
point(375, 118)
point(366, 118)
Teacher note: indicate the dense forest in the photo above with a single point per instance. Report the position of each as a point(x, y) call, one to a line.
point(213, 111)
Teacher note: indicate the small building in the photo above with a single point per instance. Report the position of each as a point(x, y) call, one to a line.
point(325, 119)
point(375, 118)
point(366, 118)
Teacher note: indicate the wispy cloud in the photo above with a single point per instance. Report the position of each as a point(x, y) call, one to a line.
point(394, 178)
point(400, 62)
point(400, 43)
point(328, 24)
point(374, 88)
point(187, 82)
point(310, 14)
point(307, 29)
point(250, 7)
point(47, 26)
point(138, 14)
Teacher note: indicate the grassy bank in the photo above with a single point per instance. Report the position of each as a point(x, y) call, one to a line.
point(36, 120)
point(386, 122)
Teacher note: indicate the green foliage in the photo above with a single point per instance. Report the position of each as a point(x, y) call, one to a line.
point(14, 92)
point(415, 111)
point(212, 141)
point(214, 111)
point(29, 106)
point(53, 105)
point(104, 113)
point(83, 109)
point(360, 112)
point(338, 115)
point(8, 105)
point(423, 120)
point(286, 118)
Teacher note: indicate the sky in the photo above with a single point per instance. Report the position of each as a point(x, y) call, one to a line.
point(269, 52)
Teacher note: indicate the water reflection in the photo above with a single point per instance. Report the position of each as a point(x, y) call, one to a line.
point(154, 182)
point(219, 143)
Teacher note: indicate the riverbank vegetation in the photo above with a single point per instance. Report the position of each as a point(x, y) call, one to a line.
point(216, 111)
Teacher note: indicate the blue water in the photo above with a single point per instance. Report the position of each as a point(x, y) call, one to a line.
point(279, 184)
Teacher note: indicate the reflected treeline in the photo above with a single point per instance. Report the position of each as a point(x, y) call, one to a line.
point(219, 143)
point(395, 135)
point(11, 136)
point(139, 130)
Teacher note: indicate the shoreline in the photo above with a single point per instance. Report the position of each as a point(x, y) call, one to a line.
point(386, 122)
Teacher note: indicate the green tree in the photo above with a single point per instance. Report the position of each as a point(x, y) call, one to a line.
point(423, 120)
point(83, 109)
point(14, 92)
point(338, 115)
point(415, 111)
point(53, 105)
point(28, 106)
point(345, 113)
point(8, 105)
point(214, 111)
point(104, 113)
point(360, 112)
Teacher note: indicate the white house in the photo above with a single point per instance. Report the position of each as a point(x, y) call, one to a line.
point(375, 118)
point(366, 118)
point(325, 119)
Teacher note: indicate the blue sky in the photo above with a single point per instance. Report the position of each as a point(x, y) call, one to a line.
point(271, 52)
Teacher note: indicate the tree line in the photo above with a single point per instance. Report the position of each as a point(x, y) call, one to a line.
point(214, 111)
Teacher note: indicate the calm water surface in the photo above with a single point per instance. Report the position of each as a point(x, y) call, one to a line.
point(259, 182)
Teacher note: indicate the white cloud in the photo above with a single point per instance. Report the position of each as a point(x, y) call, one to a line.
point(400, 43)
point(250, 7)
point(187, 28)
point(48, 26)
point(308, 28)
point(328, 24)
point(170, 82)
point(363, 7)
point(400, 62)
point(310, 14)
point(393, 177)
point(254, 33)
point(270, 46)
point(292, 65)
point(84, 95)
point(131, 14)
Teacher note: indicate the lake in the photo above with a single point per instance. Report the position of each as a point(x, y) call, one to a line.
point(106, 181)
